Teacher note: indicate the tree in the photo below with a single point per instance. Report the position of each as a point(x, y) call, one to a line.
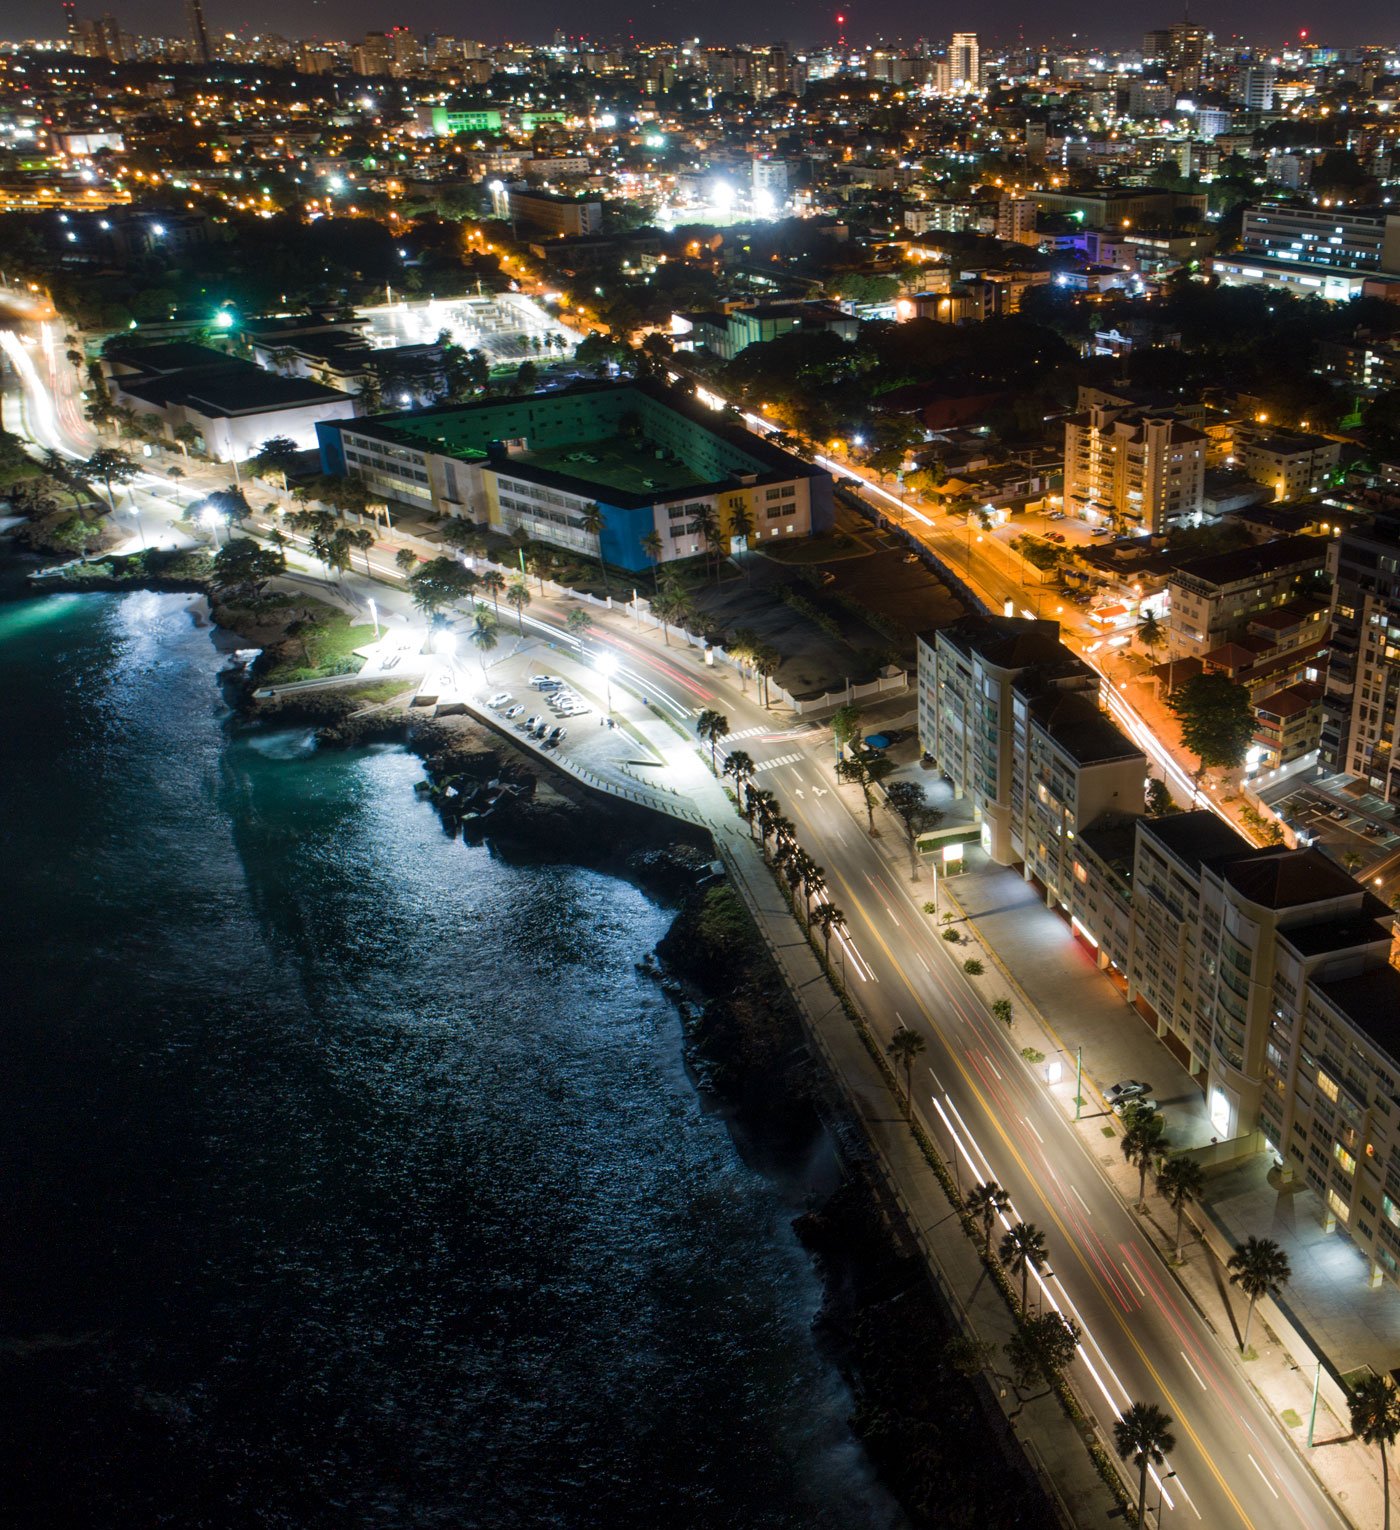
point(827, 917)
point(578, 622)
point(187, 436)
point(1375, 1419)
point(1159, 799)
point(712, 726)
point(362, 538)
point(1216, 721)
point(1021, 1250)
point(482, 635)
point(986, 1203)
point(908, 801)
point(108, 466)
point(765, 660)
point(463, 535)
point(866, 772)
point(493, 582)
point(1143, 1436)
point(518, 596)
point(594, 522)
point(438, 583)
point(276, 455)
point(1181, 1181)
point(242, 564)
point(653, 547)
point(1149, 632)
point(1144, 1141)
point(78, 533)
point(1259, 1267)
point(669, 607)
point(845, 726)
point(229, 504)
point(1042, 1347)
point(405, 560)
point(904, 1048)
point(527, 377)
point(739, 764)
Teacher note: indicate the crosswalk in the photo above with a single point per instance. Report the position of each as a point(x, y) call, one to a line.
point(730, 738)
point(782, 759)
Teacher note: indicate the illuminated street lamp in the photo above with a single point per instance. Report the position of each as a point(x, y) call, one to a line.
point(135, 510)
point(209, 519)
point(606, 665)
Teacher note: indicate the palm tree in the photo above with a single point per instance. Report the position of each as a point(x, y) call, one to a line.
point(987, 1201)
point(1375, 1418)
point(765, 660)
point(1144, 1142)
point(187, 436)
point(1259, 1267)
point(827, 917)
point(405, 560)
point(578, 622)
point(904, 1048)
point(653, 547)
point(363, 539)
point(1021, 1250)
point(739, 764)
point(1149, 632)
point(518, 595)
point(483, 633)
point(1144, 1436)
point(669, 607)
point(594, 522)
point(813, 886)
point(712, 726)
point(1181, 1181)
point(493, 582)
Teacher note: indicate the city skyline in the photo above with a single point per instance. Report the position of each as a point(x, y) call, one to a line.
point(1353, 23)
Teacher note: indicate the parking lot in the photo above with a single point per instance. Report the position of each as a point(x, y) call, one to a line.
point(1358, 831)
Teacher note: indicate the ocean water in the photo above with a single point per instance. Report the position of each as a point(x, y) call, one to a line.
point(352, 1176)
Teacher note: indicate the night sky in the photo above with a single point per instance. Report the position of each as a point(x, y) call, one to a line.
point(1269, 22)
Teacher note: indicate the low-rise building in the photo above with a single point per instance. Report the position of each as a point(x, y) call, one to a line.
point(653, 462)
point(1213, 599)
point(1292, 463)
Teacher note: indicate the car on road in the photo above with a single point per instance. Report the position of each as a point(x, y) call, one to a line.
point(1126, 1089)
point(1054, 536)
point(499, 700)
point(1055, 515)
point(1139, 1102)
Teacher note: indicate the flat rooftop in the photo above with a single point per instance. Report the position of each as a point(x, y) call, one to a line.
point(614, 463)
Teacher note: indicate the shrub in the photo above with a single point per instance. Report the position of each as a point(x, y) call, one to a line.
point(973, 967)
point(951, 936)
point(1001, 1010)
point(1032, 1055)
point(930, 908)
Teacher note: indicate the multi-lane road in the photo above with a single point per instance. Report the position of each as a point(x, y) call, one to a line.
point(1233, 1464)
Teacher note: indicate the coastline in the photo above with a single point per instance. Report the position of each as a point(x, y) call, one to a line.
point(917, 1421)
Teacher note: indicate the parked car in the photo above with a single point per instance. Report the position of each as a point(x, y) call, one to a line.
point(1338, 813)
point(500, 699)
point(513, 711)
point(1054, 536)
point(555, 736)
point(1140, 1102)
point(545, 682)
point(541, 728)
point(1126, 1089)
point(1055, 515)
point(528, 726)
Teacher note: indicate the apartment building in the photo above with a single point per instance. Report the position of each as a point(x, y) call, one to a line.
point(1292, 463)
point(1365, 240)
point(1361, 707)
point(1012, 718)
point(1213, 600)
point(1138, 468)
point(540, 212)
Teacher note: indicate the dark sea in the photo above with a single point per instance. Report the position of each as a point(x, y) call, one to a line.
point(350, 1174)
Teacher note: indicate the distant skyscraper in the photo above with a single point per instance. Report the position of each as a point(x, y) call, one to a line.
point(70, 20)
point(963, 61)
point(199, 33)
point(1186, 57)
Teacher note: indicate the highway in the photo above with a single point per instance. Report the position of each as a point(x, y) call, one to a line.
point(1233, 1465)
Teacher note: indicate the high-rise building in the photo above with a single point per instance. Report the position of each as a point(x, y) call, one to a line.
point(199, 33)
point(70, 20)
point(1256, 87)
point(1136, 468)
point(1186, 57)
point(373, 56)
point(964, 62)
point(1361, 707)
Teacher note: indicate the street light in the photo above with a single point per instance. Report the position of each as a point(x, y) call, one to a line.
point(606, 665)
point(135, 510)
point(209, 519)
point(374, 616)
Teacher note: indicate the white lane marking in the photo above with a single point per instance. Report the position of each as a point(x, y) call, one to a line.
point(1260, 1470)
point(993, 1067)
point(938, 1081)
point(903, 1022)
point(1081, 1201)
point(1193, 1371)
point(923, 964)
point(782, 759)
point(1031, 1124)
point(1134, 1279)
